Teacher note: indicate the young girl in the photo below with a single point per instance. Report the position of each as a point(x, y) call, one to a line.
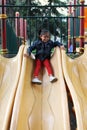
point(43, 48)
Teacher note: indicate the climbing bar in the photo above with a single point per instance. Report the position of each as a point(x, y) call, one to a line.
point(40, 6)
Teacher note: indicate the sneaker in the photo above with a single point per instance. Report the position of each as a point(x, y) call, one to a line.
point(36, 80)
point(53, 79)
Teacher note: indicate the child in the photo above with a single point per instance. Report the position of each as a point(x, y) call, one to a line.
point(43, 48)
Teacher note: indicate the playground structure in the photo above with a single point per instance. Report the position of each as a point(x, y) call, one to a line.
point(26, 106)
point(76, 16)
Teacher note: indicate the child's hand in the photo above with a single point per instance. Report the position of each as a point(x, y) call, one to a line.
point(26, 55)
point(31, 55)
point(62, 47)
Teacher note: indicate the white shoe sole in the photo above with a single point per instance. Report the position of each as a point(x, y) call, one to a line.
point(36, 82)
point(54, 80)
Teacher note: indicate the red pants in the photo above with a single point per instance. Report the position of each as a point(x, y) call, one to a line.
point(39, 64)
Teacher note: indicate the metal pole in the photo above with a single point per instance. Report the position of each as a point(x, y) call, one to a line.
point(24, 30)
point(69, 36)
point(21, 27)
point(74, 27)
point(25, 24)
point(82, 26)
point(17, 24)
point(4, 50)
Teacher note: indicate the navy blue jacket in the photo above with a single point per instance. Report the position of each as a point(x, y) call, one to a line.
point(43, 50)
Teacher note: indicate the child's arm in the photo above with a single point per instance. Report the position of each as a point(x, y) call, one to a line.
point(31, 55)
point(57, 43)
point(29, 51)
point(32, 47)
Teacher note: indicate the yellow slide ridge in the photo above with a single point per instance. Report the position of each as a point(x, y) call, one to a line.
point(40, 107)
point(75, 72)
point(9, 78)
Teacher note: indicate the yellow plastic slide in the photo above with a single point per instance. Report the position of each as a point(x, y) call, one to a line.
point(40, 107)
point(9, 78)
point(75, 72)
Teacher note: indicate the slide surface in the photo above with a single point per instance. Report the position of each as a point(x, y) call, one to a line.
point(26, 106)
point(40, 107)
point(75, 72)
point(9, 76)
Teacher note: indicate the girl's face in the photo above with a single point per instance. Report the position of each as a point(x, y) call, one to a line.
point(45, 37)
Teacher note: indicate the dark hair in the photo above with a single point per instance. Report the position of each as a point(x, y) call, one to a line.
point(43, 31)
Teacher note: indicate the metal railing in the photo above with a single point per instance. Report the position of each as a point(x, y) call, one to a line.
point(43, 18)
